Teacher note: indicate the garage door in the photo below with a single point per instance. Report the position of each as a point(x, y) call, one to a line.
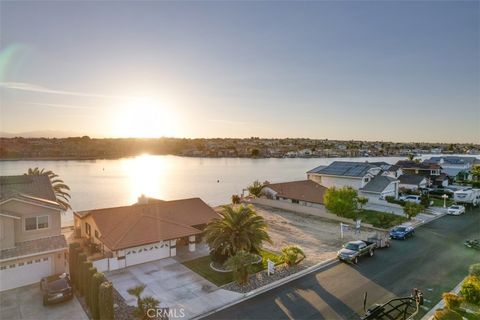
point(25, 273)
point(147, 253)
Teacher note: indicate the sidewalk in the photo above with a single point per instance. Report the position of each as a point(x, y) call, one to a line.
point(430, 214)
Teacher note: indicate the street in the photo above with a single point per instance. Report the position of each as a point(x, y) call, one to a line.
point(434, 260)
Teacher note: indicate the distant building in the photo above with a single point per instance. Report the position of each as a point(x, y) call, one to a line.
point(304, 192)
point(452, 165)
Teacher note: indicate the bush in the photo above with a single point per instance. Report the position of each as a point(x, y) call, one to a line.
point(293, 255)
point(452, 301)
point(392, 199)
point(218, 257)
point(98, 279)
point(446, 314)
point(90, 274)
point(341, 201)
point(471, 289)
point(425, 201)
point(476, 184)
point(105, 301)
point(412, 209)
point(86, 265)
point(82, 257)
point(241, 265)
point(72, 249)
point(474, 270)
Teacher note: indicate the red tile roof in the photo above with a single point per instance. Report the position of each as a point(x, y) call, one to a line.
point(139, 224)
point(304, 190)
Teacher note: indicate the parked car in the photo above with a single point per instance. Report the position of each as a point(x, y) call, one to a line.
point(456, 210)
point(474, 244)
point(354, 249)
point(411, 198)
point(402, 232)
point(56, 288)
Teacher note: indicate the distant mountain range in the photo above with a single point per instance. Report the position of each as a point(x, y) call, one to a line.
point(42, 134)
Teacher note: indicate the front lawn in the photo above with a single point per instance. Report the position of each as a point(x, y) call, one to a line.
point(381, 219)
point(202, 267)
point(439, 202)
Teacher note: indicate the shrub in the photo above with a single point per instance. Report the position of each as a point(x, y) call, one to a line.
point(218, 257)
point(446, 314)
point(86, 265)
point(293, 255)
point(425, 201)
point(474, 270)
point(341, 201)
point(471, 289)
point(392, 199)
point(90, 274)
point(105, 301)
point(98, 279)
point(255, 189)
point(412, 209)
point(82, 257)
point(452, 301)
point(72, 248)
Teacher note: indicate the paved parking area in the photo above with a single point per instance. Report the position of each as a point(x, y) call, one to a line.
point(173, 284)
point(26, 303)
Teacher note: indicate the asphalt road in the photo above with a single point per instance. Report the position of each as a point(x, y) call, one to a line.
point(434, 260)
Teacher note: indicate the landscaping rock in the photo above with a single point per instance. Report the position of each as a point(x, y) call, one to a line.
point(262, 278)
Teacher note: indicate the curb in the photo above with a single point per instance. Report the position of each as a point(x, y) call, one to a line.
point(268, 287)
point(421, 223)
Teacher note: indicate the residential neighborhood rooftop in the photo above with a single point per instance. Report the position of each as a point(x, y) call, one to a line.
point(304, 190)
point(135, 225)
point(344, 168)
point(378, 184)
point(38, 186)
point(412, 179)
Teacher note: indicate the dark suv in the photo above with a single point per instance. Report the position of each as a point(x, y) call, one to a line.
point(56, 288)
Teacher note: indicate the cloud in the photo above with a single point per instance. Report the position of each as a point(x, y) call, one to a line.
point(60, 106)
point(39, 89)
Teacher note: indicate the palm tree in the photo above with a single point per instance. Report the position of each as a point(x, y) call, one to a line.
point(239, 228)
point(241, 264)
point(143, 304)
point(255, 189)
point(59, 187)
point(293, 255)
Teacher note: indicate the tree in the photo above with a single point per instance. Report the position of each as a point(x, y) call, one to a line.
point(255, 152)
point(474, 270)
point(471, 289)
point(143, 304)
point(412, 209)
point(446, 314)
point(105, 301)
point(98, 279)
point(342, 201)
point(82, 257)
point(255, 189)
point(452, 301)
point(411, 156)
point(476, 173)
point(72, 250)
point(59, 187)
point(239, 228)
point(235, 199)
point(293, 255)
point(241, 264)
point(362, 201)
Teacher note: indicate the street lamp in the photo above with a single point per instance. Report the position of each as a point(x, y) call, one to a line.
point(445, 197)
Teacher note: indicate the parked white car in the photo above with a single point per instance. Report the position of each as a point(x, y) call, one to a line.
point(411, 198)
point(456, 210)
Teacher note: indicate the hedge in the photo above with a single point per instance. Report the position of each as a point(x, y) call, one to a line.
point(86, 265)
point(105, 301)
point(90, 274)
point(98, 279)
point(71, 259)
point(82, 257)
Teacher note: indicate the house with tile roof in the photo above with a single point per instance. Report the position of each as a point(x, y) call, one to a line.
point(304, 192)
point(31, 243)
point(146, 231)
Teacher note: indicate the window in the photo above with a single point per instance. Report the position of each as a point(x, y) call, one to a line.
point(35, 223)
point(88, 229)
point(295, 201)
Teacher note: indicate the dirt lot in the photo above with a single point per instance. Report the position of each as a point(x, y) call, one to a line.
point(319, 238)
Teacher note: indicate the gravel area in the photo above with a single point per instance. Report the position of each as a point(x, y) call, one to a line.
point(122, 311)
point(262, 278)
point(319, 237)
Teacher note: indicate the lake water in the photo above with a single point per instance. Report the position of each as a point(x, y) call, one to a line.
point(108, 183)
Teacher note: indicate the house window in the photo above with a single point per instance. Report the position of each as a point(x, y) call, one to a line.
point(88, 229)
point(295, 201)
point(35, 223)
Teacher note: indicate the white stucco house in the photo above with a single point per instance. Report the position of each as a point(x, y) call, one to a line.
point(369, 179)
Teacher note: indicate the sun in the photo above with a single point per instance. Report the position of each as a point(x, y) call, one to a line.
point(144, 118)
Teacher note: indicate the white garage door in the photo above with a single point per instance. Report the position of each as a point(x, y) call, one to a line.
point(146, 253)
point(25, 273)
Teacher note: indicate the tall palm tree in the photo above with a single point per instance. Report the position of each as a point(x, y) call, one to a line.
point(239, 228)
point(59, 187)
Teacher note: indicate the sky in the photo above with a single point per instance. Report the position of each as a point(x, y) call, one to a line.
point(370, 70)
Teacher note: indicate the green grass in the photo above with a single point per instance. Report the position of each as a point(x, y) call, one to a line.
point(381, 219)
point(439, 202)
point(202, 267)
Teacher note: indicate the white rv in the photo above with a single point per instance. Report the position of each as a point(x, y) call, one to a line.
point(467, 195)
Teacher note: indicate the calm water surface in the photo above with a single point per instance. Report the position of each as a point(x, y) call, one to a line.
point(107, 183)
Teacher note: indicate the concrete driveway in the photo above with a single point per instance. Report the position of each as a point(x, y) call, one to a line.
point(174, 285)
point(26, 303)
